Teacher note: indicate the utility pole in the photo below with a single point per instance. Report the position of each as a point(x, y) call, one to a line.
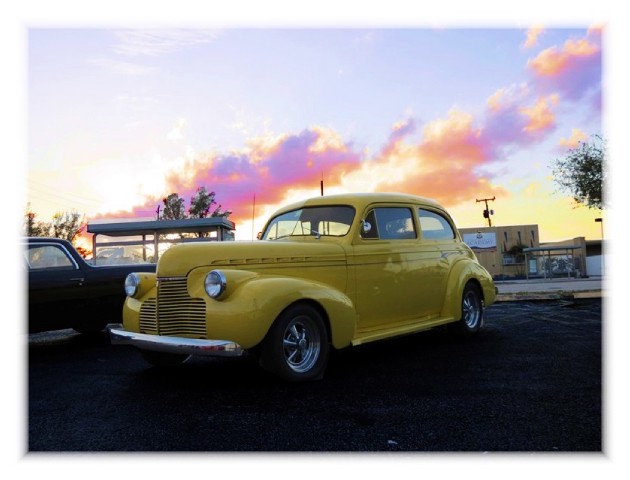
point(600, 220)
point(487, 212)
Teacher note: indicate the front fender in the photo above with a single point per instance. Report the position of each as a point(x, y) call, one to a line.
point(252, 301)
point(463, 272)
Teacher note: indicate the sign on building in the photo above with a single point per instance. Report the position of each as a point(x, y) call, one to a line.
point(481, 241)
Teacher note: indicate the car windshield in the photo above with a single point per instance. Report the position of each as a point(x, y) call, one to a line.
point(333, 221)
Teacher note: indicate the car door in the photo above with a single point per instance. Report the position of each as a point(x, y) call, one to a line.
point(54, 281)
point(394, 270)
point(437, 236)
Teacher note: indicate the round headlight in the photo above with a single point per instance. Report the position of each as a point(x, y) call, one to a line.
point(131, 284)
point(215, 284)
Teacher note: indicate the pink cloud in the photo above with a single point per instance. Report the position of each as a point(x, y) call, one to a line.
point(397, 134)
point(572, 70)
point(267, 170)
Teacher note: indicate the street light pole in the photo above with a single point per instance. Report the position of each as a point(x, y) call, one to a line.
point(600, 220)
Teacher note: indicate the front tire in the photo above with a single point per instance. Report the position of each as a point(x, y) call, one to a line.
point(472, 312)
point(296, 347)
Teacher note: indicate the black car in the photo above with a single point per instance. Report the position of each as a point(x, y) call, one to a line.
point(64, 291)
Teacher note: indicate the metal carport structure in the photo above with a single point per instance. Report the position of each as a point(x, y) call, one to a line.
point(217, 229)
point(546, 253)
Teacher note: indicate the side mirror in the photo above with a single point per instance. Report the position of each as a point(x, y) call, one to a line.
point(259, 236)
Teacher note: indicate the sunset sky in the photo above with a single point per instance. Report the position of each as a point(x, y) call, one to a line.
point(119, 118)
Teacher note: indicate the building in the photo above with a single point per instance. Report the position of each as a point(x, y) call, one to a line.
point(500, 249)
point(516, 252)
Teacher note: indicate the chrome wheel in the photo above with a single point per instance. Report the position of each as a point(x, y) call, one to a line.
point(296, 347)
point(301, 344)
point(471, 308)
point(472, 312)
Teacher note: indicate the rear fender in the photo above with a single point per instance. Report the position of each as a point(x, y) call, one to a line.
point(463, 272)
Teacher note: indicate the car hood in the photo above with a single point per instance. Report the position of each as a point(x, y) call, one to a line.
point(181, 259)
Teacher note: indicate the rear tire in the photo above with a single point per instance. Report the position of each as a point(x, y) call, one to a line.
point(296, 347)
point(472, 312)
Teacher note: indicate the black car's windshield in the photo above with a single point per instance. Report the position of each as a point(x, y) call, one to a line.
point(332, 221)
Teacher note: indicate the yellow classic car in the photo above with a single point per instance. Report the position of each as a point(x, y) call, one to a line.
point(327, 273)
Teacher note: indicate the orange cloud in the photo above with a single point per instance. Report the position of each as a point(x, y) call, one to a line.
point(532, 36)
point(454, 138)
point(574, 140)
point(540, 116)
point(573, 71)
point(554, 61)
point(444, 165)
point(495, 102)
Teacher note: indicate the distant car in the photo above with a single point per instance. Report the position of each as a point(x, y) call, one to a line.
point(329, 272)
point(64, 291)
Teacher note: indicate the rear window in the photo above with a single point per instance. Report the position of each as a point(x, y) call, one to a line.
point(434, 226)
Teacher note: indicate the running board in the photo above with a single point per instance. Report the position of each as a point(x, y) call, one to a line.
point(366, 336)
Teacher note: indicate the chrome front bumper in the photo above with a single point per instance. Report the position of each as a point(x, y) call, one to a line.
point(181, 345)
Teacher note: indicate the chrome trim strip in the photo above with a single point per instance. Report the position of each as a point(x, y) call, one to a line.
point(191, 346)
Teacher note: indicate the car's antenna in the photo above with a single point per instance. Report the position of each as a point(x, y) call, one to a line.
point(321, 184)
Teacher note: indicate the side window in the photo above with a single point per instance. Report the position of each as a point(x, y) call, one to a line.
point(434, 226)
point(41, 257)
point(370, 228)
point(390, 223)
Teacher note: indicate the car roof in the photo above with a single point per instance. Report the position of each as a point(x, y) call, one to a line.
point(45, 240)
point(361, 200)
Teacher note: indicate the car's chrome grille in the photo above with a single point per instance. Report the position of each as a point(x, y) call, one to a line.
point(175, 313)
point(148, 318)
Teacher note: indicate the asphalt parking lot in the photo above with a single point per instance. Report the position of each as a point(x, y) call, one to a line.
point(531, 381)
